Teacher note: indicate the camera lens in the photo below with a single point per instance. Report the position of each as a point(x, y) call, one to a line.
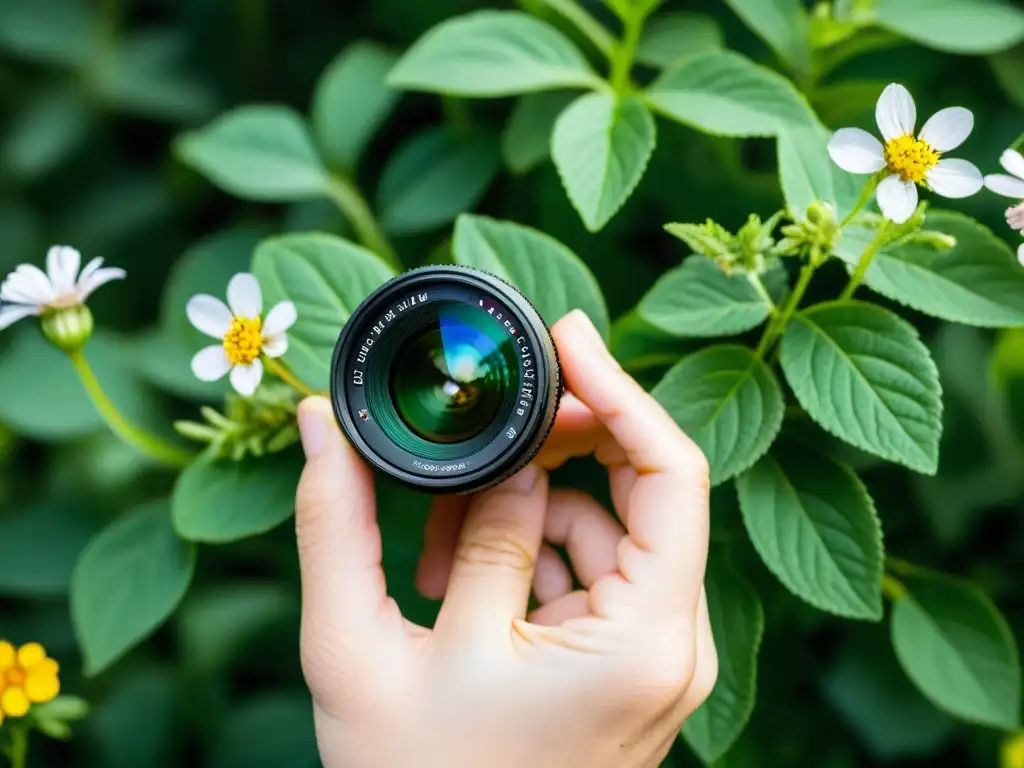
point(446, 378)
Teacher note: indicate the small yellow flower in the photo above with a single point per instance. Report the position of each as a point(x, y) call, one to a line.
point(27, 676)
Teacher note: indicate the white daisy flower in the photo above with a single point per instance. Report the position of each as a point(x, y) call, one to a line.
point(244, 334)
point(910, 159)
point(29, 291)
point(1010, 186)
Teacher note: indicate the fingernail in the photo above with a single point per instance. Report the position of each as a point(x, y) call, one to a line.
point(523, 481)
point(312, 431)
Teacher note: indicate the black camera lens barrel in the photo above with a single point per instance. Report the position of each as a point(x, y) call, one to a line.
point(446, 378)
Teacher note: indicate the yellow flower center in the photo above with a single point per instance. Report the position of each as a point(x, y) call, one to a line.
point(244, 341)
point(910, 157)
point(15, 676)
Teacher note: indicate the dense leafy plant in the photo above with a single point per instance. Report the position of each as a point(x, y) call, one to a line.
point(782, 340)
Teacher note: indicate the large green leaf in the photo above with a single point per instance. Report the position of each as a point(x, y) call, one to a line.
point(782, 24)
point(728, 401)
point(726, 94)
point(668, 38)
point(492, 53)
point(550, 275)
point(526, 140)
point(127, 582)
point(327, 277)
point(1007, 67)
point(864, 375)
point(60, 32)
point(56, 406)
point(262, 153)
point(807, 173)
point(351, 101)
point(815, 526)
point(699, 299)
point(957, 649)
point(955, 26)
point(39, 546)
point(601, 145)
point(433, 177)
point(48, 130)
point(976, 282)
point(737, 622)
point(216, 502)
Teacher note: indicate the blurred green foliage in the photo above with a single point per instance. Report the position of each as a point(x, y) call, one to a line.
point(110, 108)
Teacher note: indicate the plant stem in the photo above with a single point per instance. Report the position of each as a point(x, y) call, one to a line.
point(282, 372)
point(351, 203)
point(865, 195)
point(755, 280)
point(590, 27)
point(17, 750)
point(1019, 143)
point(865, 260)
point(781, 320)
point(625, 52)
point(892, 587)
point(138, 438)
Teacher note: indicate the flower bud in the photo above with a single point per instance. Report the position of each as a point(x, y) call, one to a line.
point(1015, 217)
point(69, 328)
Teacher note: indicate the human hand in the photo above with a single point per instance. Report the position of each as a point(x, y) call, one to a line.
point(601, 678)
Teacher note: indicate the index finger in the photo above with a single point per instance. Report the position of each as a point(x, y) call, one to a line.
point(667, 517)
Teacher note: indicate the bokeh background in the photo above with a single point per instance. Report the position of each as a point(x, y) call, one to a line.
point(92, 96)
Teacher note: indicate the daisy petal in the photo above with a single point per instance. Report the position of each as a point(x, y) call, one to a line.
point(62, 263)
point(244, 295)
point(895, 113)
point(275, 346)
point(91, 267)
point(1002, 184)
point(1013, 162)
point(948, 128)
point(246, 378)
point(897, 198)
point(98, 278)
point(954, 178)
point(856, 151)
point(16, 290)
point(32, 283)
point(211, 363)
point(1020, 254)
point(280, 319)
point(12, 314)
point(209, 314)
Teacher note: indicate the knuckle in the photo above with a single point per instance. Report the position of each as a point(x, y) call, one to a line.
point(665, 672)
point(496, 541)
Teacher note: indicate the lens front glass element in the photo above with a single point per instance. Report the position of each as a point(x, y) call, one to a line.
point(455, 375)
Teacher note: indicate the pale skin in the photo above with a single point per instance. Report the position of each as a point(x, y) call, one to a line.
point(602, 677)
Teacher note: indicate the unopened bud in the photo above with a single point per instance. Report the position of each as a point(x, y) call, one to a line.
point(821, 214)
point(1015, 217)
point(68, 329)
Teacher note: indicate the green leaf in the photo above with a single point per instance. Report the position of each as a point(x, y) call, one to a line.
point(1007, 67)
point(46, 132)
point(56, 406)
point(127, 582)
point(977, 282)
point(433, 177)
point(492, 53)
point(726, 94)
point(782, 24)
point(261, 153)
point(163, 360)
point(352, 101)
point(216, 502)
point(668, 38)
point(954, 26)
point(327, 277)
point(728, 401)
point(815, 526)
point(39, 546)
point(864, 375)
point(957, 649)
point(601, 146)
point(526, 141)
point(269, 731)
point(550, 275)
point(699, 299)
point(153, 740)
point(737, 622)
point(62, 32)
point(807, 173)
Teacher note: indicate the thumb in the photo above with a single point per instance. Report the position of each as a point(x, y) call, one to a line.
point(492, 572)
point(338, 537)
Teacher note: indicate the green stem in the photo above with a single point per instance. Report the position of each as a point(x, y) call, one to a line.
point(781, 320)
point(893, 588)
point(1019, 143)
point(755, 280)
point(137, 438)
point(865, 260)
point(625, 52)
point(590, 27)
point(355, 208)
point(865, 195)
point(282, 372)
point(17, 749)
